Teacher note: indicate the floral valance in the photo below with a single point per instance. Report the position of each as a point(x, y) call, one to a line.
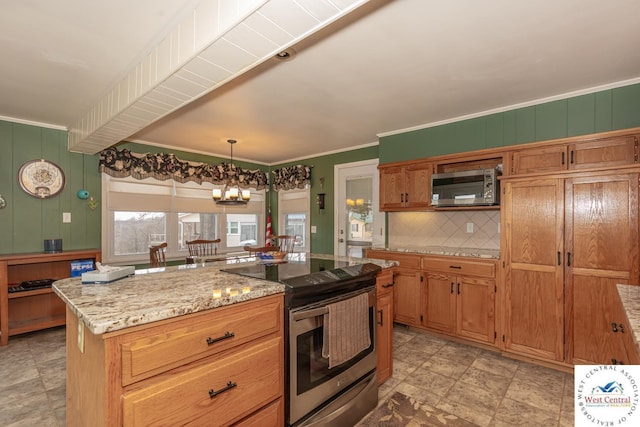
point(291, 177)
point(163, 166)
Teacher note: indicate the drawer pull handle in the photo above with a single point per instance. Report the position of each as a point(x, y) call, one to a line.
point(213, 393)
point(226, 336)
point(387, 285)
point(381, 322)
point(455, 266)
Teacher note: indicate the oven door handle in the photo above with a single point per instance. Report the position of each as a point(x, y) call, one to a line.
point(301, 315)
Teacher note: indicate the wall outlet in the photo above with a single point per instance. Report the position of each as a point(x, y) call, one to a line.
point(469, 227)
point(314, 229)
point(66, 217)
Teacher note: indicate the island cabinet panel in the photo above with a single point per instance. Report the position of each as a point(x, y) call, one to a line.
point(384, 324)
point(162, 374)
point(221, 391)
point(150, 352)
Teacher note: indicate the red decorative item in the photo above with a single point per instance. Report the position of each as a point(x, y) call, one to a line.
point(269, 234)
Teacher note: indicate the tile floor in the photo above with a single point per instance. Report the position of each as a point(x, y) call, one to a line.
point(477, 385)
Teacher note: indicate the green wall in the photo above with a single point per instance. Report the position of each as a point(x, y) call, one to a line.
point(26, 221)
point(322, 241)
point(597, 112)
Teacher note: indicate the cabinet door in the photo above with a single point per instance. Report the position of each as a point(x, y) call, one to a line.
point(406, 297)
point(601, 251)
point(392, 188)
point(609, 152)
point(440, 302)
point(543, 159)
point(532, 224)
point(475, 309)
point(384, 336)
point(418, 186)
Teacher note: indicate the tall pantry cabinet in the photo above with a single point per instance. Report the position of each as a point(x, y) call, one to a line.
point(567, 241)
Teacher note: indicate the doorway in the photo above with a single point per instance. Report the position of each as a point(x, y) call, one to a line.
point(359, 224)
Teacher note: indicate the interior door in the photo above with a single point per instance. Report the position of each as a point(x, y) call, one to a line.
point(358, 222)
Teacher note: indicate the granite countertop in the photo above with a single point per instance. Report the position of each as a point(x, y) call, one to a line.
point(163, 293)
point(448, 251)
point(630, 297)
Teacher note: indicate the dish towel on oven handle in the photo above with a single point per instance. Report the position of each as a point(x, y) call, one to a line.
point(346, 329)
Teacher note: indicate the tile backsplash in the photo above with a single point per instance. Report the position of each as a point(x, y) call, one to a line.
point(444, 228)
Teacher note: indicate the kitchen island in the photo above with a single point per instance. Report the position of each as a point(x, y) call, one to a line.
point(167, 346)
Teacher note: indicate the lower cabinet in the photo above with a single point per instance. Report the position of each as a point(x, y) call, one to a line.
point(220, 367)
point(406, 296)
point(448, 294)
point(384, 324)
point(459, 297)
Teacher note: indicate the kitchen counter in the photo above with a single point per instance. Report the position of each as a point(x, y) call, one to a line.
point(630, 297)
point(164, 293)
point(448, 251)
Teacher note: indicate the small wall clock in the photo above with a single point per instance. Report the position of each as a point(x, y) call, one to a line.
point(41, 178)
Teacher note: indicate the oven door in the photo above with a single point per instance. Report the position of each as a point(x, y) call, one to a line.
point(311, 383)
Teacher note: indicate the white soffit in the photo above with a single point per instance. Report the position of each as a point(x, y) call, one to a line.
point(219, 41)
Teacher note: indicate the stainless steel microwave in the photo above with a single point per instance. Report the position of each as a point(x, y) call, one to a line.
point(477, 187)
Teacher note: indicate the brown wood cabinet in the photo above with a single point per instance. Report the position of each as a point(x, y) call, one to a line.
point(459, 297)
point(566, 243)
point(607, 152)
point(384, 324)
point(406, 186)
point(176, 372)
point(601, 250)
point(32, 310)
point(453, 295)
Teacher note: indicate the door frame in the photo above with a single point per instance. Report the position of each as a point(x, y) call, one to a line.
point(339, 191)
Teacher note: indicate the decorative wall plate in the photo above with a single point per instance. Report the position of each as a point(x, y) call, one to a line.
point(41, 178)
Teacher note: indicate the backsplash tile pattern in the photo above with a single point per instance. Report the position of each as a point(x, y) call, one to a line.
point(444, 228)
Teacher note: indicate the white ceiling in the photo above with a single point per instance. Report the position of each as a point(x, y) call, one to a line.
point(387, 66)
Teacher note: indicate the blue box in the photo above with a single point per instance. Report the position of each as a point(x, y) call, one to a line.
point(80, 266)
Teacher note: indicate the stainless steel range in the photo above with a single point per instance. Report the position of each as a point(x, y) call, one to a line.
point(315, 394)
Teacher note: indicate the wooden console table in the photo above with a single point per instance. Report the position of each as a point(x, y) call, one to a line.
point(32, 310)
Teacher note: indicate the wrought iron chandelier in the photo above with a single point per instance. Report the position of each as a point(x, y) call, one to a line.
point(231, 194)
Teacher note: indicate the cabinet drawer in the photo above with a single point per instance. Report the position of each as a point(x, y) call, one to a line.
point(384, 281)
point(272, 415)
point(455, 265)
point(405, 260)
point(185, 398)
point(151, 351)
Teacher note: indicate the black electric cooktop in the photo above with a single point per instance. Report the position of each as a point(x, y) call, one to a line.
point(312, 279)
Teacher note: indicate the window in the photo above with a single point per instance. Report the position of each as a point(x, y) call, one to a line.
point(293, 206)
point(232, 228)
point(140, 213)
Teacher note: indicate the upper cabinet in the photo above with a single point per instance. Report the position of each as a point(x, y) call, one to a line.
point(587, 154)
point(405, 187)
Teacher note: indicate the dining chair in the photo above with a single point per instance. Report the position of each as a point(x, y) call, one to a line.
point(157, 255)
point(285, 242)
point(203, 248)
